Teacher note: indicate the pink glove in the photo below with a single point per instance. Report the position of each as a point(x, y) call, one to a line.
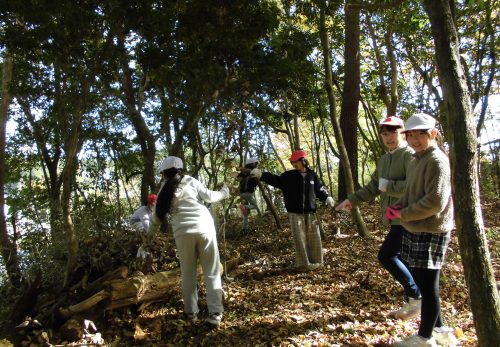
point(393, 212)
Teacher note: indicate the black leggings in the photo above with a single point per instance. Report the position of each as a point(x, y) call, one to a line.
point(427, 281)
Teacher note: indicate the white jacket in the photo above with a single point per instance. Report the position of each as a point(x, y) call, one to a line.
point(188, 213)
point(141, 218)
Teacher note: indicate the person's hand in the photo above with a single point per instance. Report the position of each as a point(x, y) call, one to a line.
point(393, 212)
point(344, 205)
point(225, 190)
point(256, 173)
point(382, 184)
point(330, 202)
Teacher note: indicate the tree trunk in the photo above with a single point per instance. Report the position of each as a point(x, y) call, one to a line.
point(9, 249)
point(68, 176)
point(485, 302)
point(392, 110)
point(296, 137)
point(50, 162)
point(73, 124)
point(190, 123)
point(344, 159)
point(271, 206)
point(350, 98)
point(134, 105)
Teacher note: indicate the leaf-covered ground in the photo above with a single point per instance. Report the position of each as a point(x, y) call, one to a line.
point(344, 303)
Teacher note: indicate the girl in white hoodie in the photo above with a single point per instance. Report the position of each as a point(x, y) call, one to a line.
point(181, 197)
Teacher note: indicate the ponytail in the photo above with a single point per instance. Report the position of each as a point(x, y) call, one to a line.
point(173, 177)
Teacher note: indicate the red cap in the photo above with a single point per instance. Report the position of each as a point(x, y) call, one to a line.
point(394, 121)
point(296, 155)
point(151, 198)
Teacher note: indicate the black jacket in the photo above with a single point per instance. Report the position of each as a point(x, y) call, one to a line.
point(247, 184)
point(299, 192)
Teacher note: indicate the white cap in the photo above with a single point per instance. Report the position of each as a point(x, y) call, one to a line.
point(394, 121)
point(170, 162)
point(420, 121)
point(251, 161)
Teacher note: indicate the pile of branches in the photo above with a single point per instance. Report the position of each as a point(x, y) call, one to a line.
point(114, 269)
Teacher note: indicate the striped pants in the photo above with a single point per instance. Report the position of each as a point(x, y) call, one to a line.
point(307, 239)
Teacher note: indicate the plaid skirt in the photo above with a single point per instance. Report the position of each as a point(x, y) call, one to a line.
point(424, 250)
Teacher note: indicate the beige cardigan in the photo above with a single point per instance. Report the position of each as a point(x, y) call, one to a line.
point(427, 204)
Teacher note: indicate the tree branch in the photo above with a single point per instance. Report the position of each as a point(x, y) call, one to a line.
point(372, 7)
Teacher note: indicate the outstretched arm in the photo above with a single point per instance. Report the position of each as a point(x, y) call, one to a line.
point(208, 195)
point(272, 179)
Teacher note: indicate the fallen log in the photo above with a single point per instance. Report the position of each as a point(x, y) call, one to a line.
point(85, 304)
point(120, 273)
point(134, 290)
point(138, 289)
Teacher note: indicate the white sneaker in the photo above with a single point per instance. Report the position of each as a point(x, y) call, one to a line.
point(416, 341)
point(444, 336)
point(410, 310)
point(214, 318)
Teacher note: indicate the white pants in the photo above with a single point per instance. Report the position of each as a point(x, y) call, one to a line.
point(202, 247)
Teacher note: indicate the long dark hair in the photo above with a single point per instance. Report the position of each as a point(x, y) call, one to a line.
point(173, 177)
point(252, 165)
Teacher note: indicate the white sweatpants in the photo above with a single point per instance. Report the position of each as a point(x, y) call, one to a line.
point(202, 247)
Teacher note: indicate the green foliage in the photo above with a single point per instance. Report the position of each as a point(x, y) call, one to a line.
point(8, 295)
point(490, 175)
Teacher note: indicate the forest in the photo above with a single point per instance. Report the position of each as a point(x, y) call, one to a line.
point(95, 94)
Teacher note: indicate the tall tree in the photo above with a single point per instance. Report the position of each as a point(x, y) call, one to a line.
point(8, 248)
point(333, 115)
point(133, 97)
point(483, 292)
point(350, 96)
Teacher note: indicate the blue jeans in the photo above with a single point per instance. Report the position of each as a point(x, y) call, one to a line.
point(388, 256)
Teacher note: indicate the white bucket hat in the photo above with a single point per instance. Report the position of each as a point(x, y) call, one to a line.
point(251, 161)
point(170, 162)
point(420, 121)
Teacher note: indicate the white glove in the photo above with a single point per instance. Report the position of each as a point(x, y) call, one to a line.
point(257, 173)
point(142, 253)
point(382, 184)
point(225, 190)
point(329, 201)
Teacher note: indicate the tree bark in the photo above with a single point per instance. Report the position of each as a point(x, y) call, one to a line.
point(9, 248)
point(485, 302)
point(350, 97)
point(71, 145)
point(73, 124)
point(392, 110)
point(335, 123)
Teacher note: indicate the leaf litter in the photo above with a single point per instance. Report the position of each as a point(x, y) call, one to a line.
point(344, 303)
